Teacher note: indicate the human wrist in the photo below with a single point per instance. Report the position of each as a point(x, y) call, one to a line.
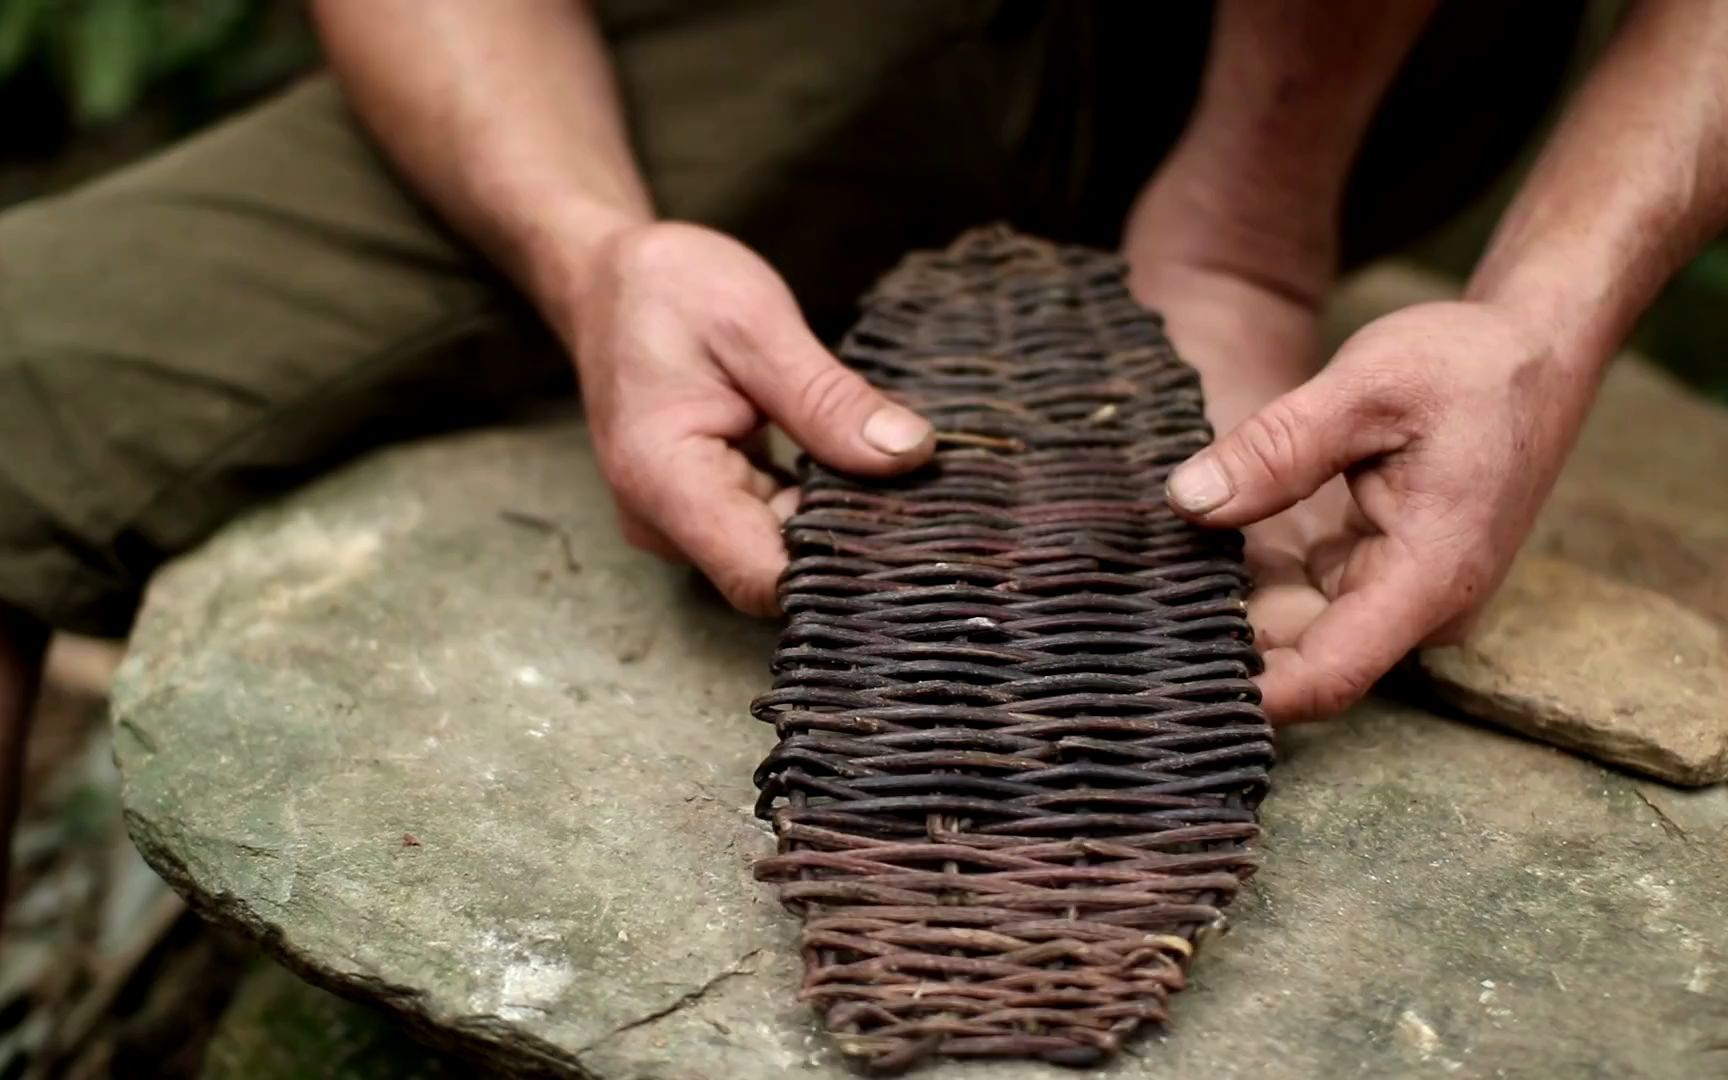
point(1198, 213)
point(1249, 344)
point(557, 258)
point(1579, 315)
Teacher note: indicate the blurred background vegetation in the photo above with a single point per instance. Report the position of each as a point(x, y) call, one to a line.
point(86, 84)
point(94, 61)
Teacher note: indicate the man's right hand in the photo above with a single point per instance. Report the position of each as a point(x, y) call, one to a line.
point(687, 343)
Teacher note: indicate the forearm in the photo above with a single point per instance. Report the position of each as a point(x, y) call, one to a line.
point(1236, 237)
point(1290, 88)
point(505, 116)
point(1631, 185)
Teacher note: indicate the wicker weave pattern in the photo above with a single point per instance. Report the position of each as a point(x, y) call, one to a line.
point(1020, 754)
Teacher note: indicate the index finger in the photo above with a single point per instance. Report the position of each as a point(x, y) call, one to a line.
point(716, 510)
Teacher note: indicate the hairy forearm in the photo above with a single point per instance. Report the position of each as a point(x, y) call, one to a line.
point(505, 115)
point(1290, 88)
point(1631, 185)
point(1236, 237)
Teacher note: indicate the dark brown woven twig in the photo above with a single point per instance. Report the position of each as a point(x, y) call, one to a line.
point(1020, 754)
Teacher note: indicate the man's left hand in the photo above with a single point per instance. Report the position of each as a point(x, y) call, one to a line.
point(1392, 491)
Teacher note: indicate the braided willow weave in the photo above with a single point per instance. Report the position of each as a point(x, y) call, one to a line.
point(1020, 754)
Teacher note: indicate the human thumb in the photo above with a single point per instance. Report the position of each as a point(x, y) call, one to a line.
point(1269, 462)
point(829, 409)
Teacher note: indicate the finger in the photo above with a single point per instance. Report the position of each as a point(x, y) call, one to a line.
point(1280, 455)
point(785, 503)
point(713, 506)
point(1386, 609)
point(759, 483)
point(1280, 612)
point(827, 408)
point(1328, 559)
point(1282, 603)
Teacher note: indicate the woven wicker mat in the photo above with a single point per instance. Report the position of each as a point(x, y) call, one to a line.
point(1020, 754)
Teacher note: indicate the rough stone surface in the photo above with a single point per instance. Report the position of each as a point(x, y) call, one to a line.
point(439, 741)
point(1621, 673)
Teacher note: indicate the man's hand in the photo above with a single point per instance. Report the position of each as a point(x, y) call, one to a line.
point(1448, 423)
point(686, 343)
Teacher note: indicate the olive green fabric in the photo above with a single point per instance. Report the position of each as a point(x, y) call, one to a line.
point(214, 326)
point(211, 327)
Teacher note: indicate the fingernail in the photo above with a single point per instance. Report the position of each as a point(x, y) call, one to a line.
point(1198, 486)
point(894, 430)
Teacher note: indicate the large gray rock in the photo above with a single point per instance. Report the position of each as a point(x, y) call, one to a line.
point(1623, 674)
point(394, 731)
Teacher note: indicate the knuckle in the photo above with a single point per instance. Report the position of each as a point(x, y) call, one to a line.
point(1393, 401)
point(828, 393)
point(1267, 446)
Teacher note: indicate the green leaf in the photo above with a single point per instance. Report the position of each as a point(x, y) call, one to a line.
point(20, 26)
point(109, 52)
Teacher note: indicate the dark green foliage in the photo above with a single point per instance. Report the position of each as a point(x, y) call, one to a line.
point(1686, 329)
point(104, 57)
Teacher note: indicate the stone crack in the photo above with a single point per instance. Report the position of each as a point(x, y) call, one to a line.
point(1669, 825)
point(684, 1001)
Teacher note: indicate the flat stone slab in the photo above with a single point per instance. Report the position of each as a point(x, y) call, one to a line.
point(437, 739)
point(1621, 673)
